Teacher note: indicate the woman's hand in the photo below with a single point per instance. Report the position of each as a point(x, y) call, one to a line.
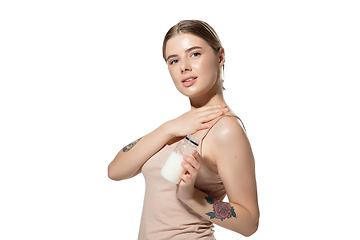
point(186, 189)
point(196, 119)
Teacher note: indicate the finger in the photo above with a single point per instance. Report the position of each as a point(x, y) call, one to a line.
point(207, 123)
point(203, 126)
point(185, 178)
point(212, 108)
point(195, 160)
point(213, 115)
point(192, 162)
point(196, 155)
point(190, 169)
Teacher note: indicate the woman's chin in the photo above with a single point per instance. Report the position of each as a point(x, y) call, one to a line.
point(191, 93)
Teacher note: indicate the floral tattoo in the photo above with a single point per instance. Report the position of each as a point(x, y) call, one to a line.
point(222, 209)
point(131, 145)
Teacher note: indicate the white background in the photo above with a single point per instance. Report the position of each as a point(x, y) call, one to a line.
point(82, 79)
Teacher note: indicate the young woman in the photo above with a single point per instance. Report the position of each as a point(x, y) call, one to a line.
point(224, 164)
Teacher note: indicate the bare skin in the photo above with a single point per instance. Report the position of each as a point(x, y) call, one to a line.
point(226, 149)
point(127, 164)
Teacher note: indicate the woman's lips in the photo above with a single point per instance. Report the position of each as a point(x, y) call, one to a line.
point(189, 81)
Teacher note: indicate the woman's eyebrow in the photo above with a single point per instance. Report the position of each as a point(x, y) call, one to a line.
point(193, 48)
point(187, 50)
point(171, 56)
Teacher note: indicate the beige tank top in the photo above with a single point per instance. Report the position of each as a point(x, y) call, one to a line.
point(164, 216)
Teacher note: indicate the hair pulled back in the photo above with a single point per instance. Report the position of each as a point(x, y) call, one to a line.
point(197, 28)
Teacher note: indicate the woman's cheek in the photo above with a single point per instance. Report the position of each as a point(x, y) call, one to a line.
point(174, 77)
point(208, 69)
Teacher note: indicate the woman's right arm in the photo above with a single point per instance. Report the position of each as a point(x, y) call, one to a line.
point(131, 158)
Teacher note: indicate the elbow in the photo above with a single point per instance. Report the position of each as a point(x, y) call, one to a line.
point(251, 230)
point(249, 227)
point(113, 175)
point(118, 175)
point(252, 223)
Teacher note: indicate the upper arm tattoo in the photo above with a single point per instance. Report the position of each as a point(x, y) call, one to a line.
point(221, 209)
point(131, 145)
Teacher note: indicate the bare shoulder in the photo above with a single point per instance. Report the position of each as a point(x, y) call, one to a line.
point(226, 141)
point(228, 138)
point(227, 131)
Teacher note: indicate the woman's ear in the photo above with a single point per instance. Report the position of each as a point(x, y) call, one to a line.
point(221, 57)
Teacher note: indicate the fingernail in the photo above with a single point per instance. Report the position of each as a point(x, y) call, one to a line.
point(183, 163)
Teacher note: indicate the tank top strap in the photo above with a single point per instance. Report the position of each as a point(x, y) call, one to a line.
point(205, 132)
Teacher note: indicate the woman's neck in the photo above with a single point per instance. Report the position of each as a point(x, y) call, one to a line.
point(214, 99)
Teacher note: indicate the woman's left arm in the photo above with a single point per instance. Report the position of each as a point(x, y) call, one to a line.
point(236, 167)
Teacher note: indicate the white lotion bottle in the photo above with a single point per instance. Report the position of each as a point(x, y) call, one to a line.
point(172, 168)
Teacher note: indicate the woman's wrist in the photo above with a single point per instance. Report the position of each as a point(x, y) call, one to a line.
point(168, 130)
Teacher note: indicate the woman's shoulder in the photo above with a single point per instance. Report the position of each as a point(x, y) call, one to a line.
point(227, 135)
point(227, 130)
point(227, 138)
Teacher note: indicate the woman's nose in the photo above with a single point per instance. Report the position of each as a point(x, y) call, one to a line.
point(185, 67)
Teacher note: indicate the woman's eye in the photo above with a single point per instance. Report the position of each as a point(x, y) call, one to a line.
point(195, 54)
point(173, 62)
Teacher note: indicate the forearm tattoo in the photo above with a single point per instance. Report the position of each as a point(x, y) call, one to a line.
point(221, 209)
point(131, 145)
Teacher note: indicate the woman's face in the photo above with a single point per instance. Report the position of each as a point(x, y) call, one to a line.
point(193, 64)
